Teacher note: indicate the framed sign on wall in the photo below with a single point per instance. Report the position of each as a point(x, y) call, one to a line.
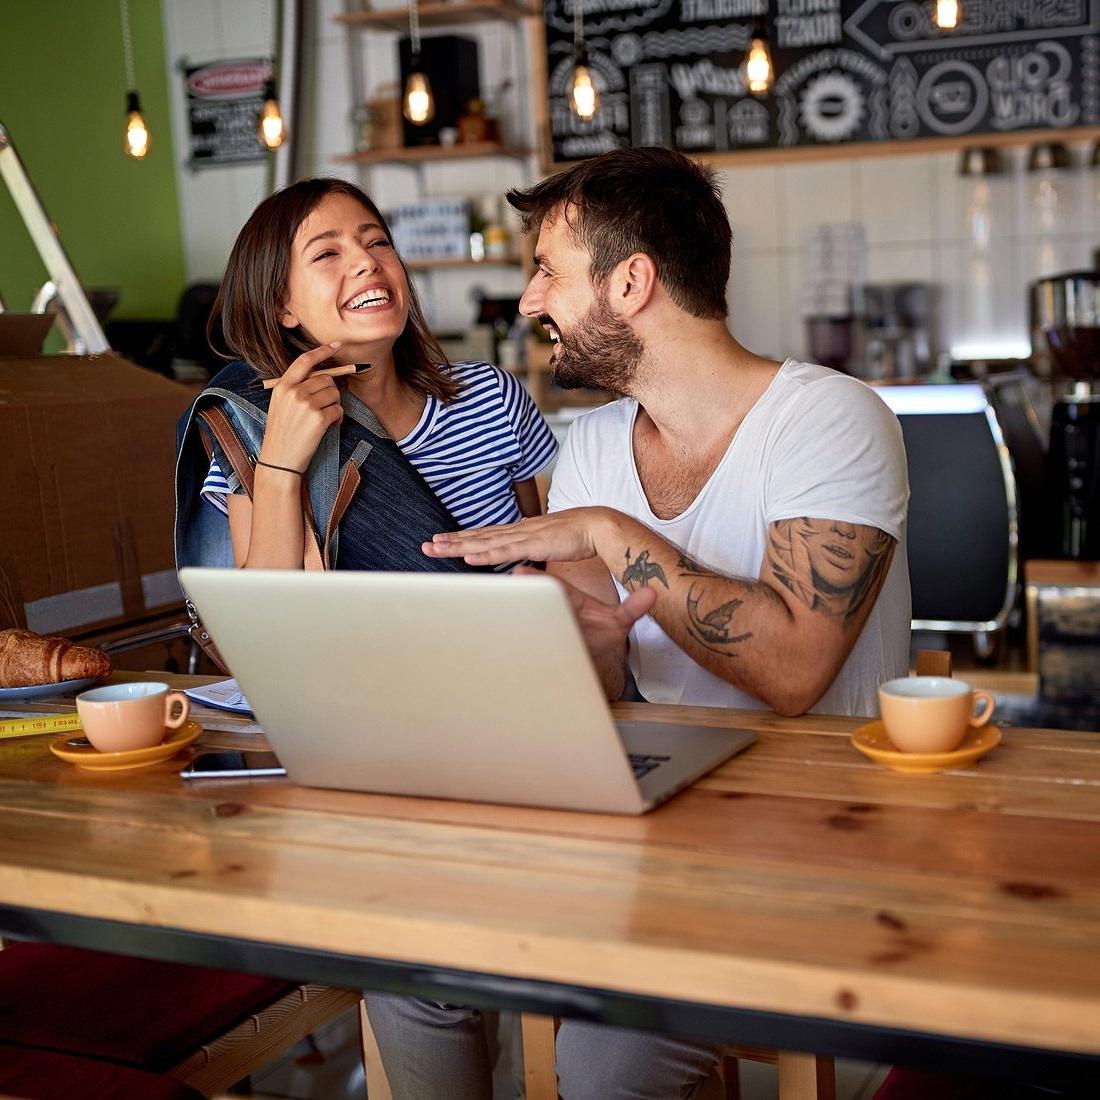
point(224, 99)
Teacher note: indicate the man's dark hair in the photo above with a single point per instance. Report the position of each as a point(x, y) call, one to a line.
point(646, 199)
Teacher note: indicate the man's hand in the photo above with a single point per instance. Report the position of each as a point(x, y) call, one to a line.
point(563, 536)
point(605, 626)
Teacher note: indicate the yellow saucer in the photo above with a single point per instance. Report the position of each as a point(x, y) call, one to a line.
point(871, 740)
point(85, 756)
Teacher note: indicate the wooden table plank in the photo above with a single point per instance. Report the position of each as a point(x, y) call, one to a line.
point(799, 878)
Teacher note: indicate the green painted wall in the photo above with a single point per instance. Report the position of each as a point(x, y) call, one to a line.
point(62, 101)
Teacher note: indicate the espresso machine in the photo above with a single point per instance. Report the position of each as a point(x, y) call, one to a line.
point(1066, 309)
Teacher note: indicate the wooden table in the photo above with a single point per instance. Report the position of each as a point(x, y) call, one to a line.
point(800, 896)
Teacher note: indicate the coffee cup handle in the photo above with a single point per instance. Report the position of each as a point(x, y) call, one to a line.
point(976, 699)
point(185, 706)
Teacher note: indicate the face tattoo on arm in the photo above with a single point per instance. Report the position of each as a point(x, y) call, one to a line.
point(830, 566)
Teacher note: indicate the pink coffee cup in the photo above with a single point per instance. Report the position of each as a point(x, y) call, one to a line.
point(121, 717)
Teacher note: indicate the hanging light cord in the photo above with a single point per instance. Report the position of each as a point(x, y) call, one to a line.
point(578, 28)
point(414, 28)
point(127, 45)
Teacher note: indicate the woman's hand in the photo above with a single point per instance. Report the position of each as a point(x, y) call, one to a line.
point(303, 407)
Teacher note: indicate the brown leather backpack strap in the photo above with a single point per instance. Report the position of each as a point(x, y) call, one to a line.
point(223, 432)
point(312, 560)
point(349, 483)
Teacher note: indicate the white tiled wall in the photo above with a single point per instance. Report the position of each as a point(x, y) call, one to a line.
point(913, 207)
point(914, 212)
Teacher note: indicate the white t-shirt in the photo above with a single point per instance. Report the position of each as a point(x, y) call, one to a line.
point(817, 444)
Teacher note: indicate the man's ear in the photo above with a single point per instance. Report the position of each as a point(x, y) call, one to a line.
point(633, 283)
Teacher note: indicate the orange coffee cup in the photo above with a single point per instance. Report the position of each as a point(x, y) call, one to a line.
point(931, 713)
point(121, 717)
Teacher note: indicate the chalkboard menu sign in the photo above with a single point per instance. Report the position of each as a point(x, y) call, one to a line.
point(669, 72)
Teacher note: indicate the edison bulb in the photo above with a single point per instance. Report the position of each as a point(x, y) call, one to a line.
point(137, 136)
point(946, 14)
point(584, 100)
point(758, 67)
point(419, 102)
point(272, 130)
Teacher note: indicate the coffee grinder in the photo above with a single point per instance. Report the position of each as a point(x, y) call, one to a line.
point(1067, 312)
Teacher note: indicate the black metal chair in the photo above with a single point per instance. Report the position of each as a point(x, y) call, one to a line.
point(963, 531)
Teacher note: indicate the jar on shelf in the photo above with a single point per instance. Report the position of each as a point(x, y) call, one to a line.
point(473, 126)
point(498, 242)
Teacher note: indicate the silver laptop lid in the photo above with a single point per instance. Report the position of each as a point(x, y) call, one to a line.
point(472, 686)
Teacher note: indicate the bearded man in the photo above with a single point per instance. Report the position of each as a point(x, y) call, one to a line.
point(732, 530)
point(760, 504)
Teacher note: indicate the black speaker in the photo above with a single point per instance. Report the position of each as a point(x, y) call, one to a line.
point(450, 63)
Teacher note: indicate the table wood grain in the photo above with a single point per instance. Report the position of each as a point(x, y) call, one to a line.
point(798, 878)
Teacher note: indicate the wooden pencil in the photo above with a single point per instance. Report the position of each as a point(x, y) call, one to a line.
point(332, 372)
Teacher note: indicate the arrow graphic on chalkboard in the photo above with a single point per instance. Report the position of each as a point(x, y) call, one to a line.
point(905, 30)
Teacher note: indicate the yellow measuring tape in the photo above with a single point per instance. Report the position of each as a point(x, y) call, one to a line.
point(43, 723)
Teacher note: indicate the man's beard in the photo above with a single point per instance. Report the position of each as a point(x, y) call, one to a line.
point(599, 351)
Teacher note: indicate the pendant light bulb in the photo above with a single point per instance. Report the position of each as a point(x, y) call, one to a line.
point(946, 14)
point(584, 100)
point(759, 72)
point(136, 141)
point(419, 101)
point(272, 131)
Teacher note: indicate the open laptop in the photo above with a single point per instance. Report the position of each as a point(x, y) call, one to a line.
point(469, 686)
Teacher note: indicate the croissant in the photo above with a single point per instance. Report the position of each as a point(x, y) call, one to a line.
point(27, 658)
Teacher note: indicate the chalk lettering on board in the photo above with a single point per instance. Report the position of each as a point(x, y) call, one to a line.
point(904, 120)
point(802, 23)
point(1031, 89)
point(627, 50)
point(696, 41)
point(747, 123)
point(798, 32)
point(951, 97)
point(696, 11)
point(650, 115)
point(706, 76)
point(602, 16)
point(832, 107)
point(695, 129)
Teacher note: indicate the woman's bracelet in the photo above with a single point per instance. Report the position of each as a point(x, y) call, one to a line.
point(285, 469)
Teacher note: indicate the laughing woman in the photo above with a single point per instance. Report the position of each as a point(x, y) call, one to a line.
point(348, 473)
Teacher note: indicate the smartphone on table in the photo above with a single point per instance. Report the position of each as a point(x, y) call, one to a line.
point(233, 765)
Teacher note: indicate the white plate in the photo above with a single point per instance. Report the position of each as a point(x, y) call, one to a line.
point(46, 691)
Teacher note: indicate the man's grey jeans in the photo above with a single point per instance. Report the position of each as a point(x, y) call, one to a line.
point(434, 1051)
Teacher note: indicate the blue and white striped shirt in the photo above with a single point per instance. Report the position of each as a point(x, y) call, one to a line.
point(471, 452)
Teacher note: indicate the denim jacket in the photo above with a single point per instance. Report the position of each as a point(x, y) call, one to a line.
point(388, 496)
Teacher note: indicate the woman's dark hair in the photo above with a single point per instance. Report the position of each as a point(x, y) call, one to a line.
point(645, 199)
point(255, 285)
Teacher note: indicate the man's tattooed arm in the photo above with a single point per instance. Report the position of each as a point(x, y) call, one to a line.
point(832, 567)
point(782, 637)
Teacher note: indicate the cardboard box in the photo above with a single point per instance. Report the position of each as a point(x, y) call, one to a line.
point(87, 499)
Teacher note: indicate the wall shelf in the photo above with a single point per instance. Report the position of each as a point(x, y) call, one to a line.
point(419, 154)
point(436, 13)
